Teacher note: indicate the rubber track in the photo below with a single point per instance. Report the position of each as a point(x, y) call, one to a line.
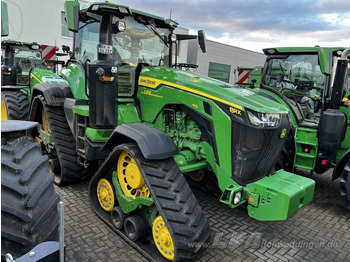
point(29, 213)
point(345, 184)
point(17, 105)
point(65, 146)
point(174, 200)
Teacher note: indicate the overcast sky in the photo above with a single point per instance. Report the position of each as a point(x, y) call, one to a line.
point(257, 24)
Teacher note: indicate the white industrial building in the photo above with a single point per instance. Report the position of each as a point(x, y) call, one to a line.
point(221, 60)
point(42, 21)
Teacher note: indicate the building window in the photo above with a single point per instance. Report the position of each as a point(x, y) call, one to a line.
point(219, 71)
point(64, 28)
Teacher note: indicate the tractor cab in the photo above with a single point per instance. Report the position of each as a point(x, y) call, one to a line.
point(17, 60)
point(303, 78)
point(133, 39)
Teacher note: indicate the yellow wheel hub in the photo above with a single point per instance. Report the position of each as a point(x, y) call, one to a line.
point(130, 177)
point(197, 177)
point(45, 122)
point(3, 111)
point(105, 194)
point(163, 239)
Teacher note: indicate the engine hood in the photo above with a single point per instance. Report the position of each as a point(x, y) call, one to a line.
point(210, 88)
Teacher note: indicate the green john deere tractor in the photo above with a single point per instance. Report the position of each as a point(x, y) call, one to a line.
point(313, 83)
point(125, 103)
point(18, 61)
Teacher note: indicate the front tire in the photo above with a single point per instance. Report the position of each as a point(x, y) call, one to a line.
point(345, 184)
point(14, 105)
point(29, 212)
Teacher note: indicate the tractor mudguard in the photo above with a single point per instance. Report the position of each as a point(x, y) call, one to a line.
point(153, 143)
point(54, 93)
point(339, 167)
point(10, 126)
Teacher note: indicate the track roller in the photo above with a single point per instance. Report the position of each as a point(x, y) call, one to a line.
point(118, 217)
point(135, 227)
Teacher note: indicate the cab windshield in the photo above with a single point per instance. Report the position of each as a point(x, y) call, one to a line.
point(139, 43)
point(23, 59)
point(300, 80)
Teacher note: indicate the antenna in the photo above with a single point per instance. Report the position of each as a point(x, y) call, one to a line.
point(170, 12)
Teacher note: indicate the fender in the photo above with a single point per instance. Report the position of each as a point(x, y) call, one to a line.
point(339, 167)
point(54, 93)
point(17, 126)
point(153, 143)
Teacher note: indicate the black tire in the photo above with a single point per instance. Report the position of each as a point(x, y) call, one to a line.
point(285, 159)
point(29, 212)
point(69, 171)
point(345, 184)
point(118, 217)
point(17, 105)
point(135, 227)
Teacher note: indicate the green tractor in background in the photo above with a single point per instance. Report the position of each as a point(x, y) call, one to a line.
point(125, 107)
point(313, 83)
point(18, 61)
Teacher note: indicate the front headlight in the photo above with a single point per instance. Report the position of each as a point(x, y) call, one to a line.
point(264, 120)
point(237, 197)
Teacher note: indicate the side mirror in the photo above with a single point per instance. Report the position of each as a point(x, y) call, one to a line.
point(4, 19)
point(202, 41)
point(72, 9)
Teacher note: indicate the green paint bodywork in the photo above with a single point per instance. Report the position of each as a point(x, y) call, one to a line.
point(98, 135)
point(45, 76)
point(47, 140)
point(129, 204)
point(74, 74)
point(305, 136)
point(279, 196)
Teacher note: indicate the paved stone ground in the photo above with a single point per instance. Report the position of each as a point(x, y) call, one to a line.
point(318, 232)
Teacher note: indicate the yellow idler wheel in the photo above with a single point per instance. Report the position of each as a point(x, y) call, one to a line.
point(3, 111)
point(45, 122)
point(105, 194)
point(162, 238)
point(130, 177)
point(198, 176)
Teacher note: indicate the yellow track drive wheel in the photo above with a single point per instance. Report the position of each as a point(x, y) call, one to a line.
point(163, 239)
point(3, 111)
point(198, 176)
point(130, 177)
point(45, 122)
point(105, 194)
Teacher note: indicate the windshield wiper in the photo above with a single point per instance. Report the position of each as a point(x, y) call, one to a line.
point(152, 28)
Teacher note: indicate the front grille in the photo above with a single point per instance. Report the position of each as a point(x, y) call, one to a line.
point(255, 150)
